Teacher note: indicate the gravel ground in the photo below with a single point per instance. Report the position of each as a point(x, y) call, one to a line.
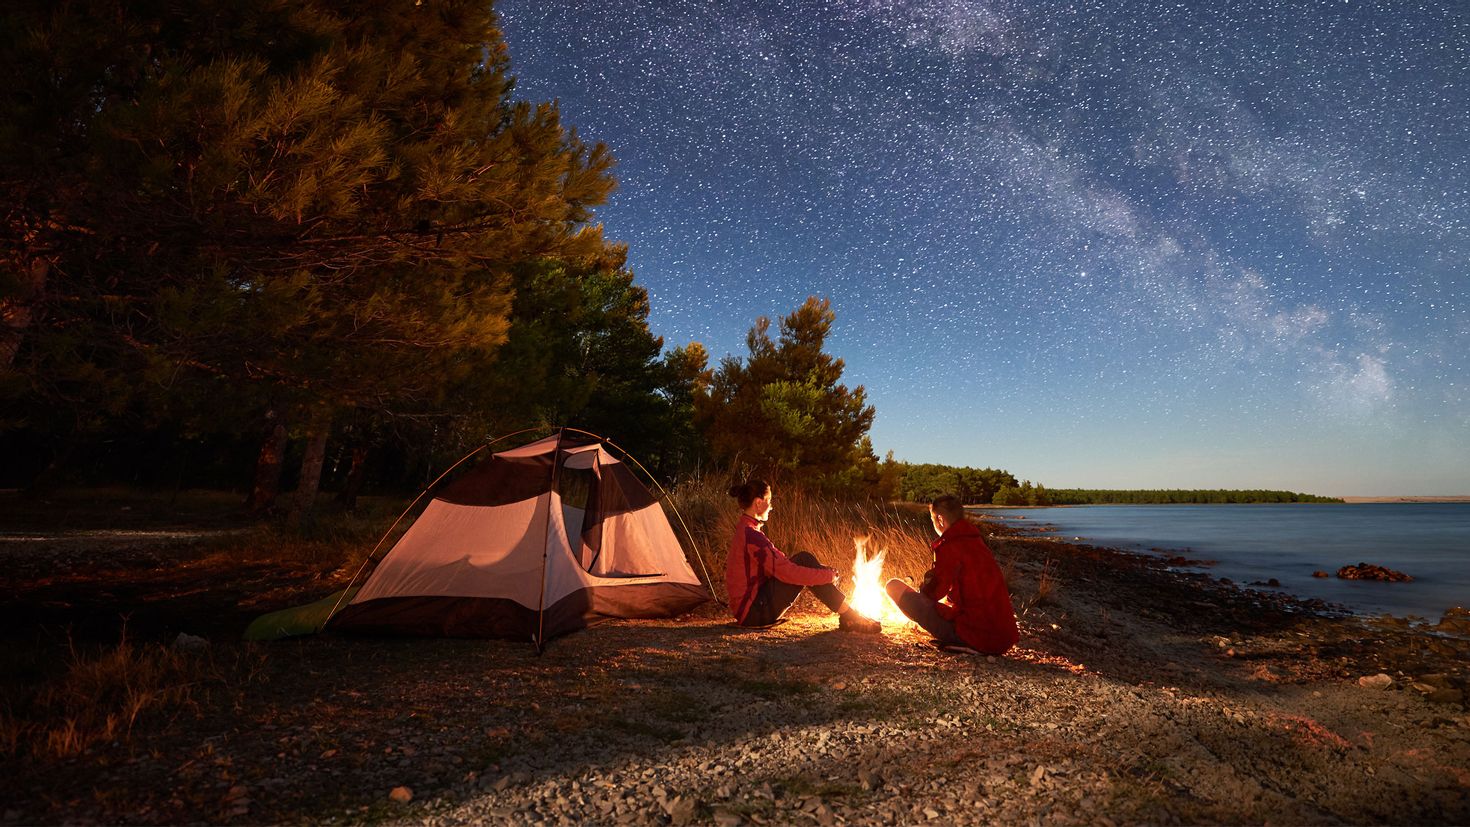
point(1139, 694)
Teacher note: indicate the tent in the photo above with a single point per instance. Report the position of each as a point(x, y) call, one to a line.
point(532, 543)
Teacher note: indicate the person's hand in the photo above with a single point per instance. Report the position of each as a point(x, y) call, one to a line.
point(836, 576)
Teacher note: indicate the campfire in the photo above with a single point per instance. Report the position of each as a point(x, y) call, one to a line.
point(868, 596)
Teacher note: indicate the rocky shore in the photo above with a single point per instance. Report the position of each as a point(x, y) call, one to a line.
point(1139, 694)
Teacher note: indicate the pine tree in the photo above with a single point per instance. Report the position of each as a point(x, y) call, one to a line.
point(783, 410)
point(268, 206)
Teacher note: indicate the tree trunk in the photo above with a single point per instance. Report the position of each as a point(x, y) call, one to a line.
point(311, 469)
point(268, 465)
point(347, 497)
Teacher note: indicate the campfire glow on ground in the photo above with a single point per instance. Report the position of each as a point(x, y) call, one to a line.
point(868, 596)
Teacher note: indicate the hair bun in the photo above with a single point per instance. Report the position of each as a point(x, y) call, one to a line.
point(737, 491)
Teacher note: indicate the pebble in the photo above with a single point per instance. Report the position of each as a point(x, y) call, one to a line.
point(1379, 681)
point(402, 795)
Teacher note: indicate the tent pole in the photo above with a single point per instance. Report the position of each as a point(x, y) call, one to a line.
point(389, 532)
point(665, 492)
point(551, 497)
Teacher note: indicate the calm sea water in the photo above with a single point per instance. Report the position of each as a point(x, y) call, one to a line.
point(1430, 541)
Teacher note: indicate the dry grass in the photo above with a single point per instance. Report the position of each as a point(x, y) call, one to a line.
point(102, 695)
point(804, 522)
point(1045, 591)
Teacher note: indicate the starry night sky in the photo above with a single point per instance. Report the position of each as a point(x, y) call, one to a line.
point(1097, 244)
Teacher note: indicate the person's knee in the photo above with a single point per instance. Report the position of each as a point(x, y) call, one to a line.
point(896, 589)
point(806, 558)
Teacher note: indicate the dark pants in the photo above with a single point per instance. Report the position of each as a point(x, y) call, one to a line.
point(775, 597)
point(924, 612)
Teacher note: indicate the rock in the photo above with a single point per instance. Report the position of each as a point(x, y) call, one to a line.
point(1445, 696)
point(402, 795)
point(1437, 681)
point(1455, 619)
point(1270, 673)
point(1320, 573)
point(1378, 681)
point(186, 642)
point(728, 818)
point(1368, 571)
point(681, 809)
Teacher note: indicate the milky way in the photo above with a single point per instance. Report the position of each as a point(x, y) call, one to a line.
point(1098, 244)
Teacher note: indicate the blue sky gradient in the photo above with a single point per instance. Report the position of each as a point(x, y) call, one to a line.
point(1122, 244)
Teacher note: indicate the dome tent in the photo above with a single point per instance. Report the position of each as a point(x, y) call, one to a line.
point(532, 543)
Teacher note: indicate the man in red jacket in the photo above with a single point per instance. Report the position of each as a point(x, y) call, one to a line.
point(963, 601)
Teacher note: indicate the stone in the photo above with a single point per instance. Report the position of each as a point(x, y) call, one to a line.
point(1320, 573)
point(1368, 571)
point(728, 818)
point(1378, 681)
point(186, 642)
point(1455, 619)
point(402, 795)
point(682, 809)
point(1446, 696)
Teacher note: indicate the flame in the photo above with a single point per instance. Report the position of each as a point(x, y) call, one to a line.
point(868, 596)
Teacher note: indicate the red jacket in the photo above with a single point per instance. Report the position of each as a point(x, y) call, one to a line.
point(966, 575)
point(753, 560)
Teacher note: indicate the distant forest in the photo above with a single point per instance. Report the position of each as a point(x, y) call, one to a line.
point(989, 486)
point(1086, 496)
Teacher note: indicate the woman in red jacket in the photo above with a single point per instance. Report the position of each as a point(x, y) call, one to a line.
point(963, 601)
point(763, 582)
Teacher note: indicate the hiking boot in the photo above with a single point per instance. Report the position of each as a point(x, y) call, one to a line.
point(851, 621)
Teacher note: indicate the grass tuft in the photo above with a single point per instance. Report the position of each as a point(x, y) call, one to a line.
point(101, 696)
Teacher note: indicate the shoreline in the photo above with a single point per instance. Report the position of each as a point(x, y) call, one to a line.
point(1429, 614)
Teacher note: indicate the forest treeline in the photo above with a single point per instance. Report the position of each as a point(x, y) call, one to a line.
point(285, 245)
point(1082, 496)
